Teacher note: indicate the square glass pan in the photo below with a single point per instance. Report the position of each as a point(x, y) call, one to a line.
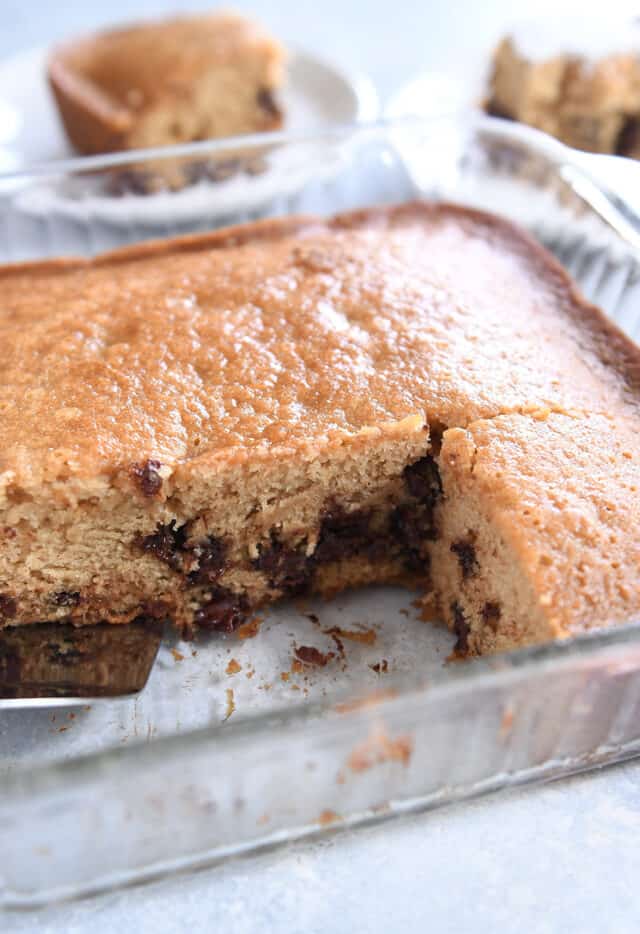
point(231, 746)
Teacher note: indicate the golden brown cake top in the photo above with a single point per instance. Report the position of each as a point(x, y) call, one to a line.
point(291, 332)
point(565, 493)
point(139, 64)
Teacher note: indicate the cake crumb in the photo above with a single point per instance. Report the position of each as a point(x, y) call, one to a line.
point(231, 704)
point(178, 656)
point(327, 817)
point(364, 636)
point(251, 628)
point(338, 641)
point(379, 748)
point(425, 612)
point(369, 700)
point(285, 675)
point(309, 655)
point(380, 667)
point(506, 724)
point(233, 667)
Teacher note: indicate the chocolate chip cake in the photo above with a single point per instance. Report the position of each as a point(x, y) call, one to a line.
point(590, 105)
point(174, 81)
point(198, 427)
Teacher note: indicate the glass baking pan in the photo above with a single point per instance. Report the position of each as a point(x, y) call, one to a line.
point(239, 742)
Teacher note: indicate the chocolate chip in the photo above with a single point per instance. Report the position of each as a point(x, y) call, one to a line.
point(66, 598)
point(8, 606)
point(211, 557)
point(147, 477)
point(267, 102)
point(491, 613)
point(312, 656)
point(628, 138)
point(461, 628)
point(166, 544)
point(411, 526)
point(287, 569)
point(344, 534)
point(423, 481)
point(406, 526)
point(10, 668)
point(466, 554)
point(224, 612)
point(495, 110)
point(152, 610)
point(436, 432)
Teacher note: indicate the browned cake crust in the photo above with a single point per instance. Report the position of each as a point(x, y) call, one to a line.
point(175, 81)
point(590, 105)
point(199, 426)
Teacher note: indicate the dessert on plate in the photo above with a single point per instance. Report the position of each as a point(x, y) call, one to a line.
point(197, 427)
point(173, 81)
point(588, 104)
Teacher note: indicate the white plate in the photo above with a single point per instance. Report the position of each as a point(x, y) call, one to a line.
point(316, 95)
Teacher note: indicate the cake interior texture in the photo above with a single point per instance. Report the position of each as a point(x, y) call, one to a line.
point(588, 104)
point(418, 395)
point(174, 81)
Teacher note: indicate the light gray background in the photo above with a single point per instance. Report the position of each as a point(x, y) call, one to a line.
point(564, 857)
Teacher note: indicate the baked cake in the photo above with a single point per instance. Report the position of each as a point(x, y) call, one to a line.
point(168, 82)
point(418, 394)
point(591, 105)
point(77, 661)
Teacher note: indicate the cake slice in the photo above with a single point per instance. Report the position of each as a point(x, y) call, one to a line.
point(590, 105)
point(168, 82)
point(538, 527)
point(198, 427)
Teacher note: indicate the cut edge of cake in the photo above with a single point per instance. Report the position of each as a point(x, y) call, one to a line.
point(208, 546)
point(196, 552)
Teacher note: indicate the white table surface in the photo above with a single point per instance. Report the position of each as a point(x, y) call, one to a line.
point(561, 857)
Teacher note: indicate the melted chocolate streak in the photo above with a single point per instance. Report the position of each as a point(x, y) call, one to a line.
point(290, 570)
